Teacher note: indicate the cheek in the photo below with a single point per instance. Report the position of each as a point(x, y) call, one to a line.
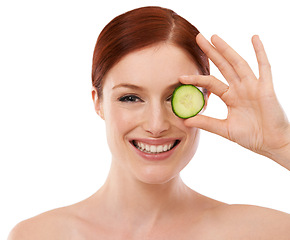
point(191, 143)
point(120, 119)
point(119, 122)
point(194, 139)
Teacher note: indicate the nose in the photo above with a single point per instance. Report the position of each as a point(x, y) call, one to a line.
point(156, 119)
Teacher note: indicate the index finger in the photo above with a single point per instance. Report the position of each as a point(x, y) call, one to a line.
point(239, 65)
point(208, 82)
point(222, 64)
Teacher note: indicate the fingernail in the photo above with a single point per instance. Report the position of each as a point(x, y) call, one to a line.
point(200, 35)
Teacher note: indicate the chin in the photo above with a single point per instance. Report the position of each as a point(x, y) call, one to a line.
point(160, 172)
point(157, 174)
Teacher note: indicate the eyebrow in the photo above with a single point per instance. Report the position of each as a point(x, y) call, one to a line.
point(135, 87)
point(127, 85)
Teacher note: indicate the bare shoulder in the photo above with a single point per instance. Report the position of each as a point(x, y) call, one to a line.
point(55, 224)
point(252, 222)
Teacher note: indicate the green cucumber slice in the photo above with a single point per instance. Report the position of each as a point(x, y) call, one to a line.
point(187, 101)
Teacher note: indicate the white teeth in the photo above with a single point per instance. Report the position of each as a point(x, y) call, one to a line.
point(165, 148)
point(153, 148)
point(159, 148)
point(147, 147)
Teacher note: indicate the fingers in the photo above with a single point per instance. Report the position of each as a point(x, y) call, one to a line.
point(209, 124)
point(264, 65)
point(222, 64)
point(209, 82)
point(215, 86)
point(240, 66)
point(232, 66)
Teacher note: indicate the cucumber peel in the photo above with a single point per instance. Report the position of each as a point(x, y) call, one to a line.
point(187, 101)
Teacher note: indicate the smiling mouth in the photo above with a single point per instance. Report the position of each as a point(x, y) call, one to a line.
point(154, 149)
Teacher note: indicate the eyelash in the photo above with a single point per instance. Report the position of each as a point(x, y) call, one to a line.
point(134, 98)
point(130, 98)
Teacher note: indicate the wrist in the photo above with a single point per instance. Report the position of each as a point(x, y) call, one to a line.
point(281, 155)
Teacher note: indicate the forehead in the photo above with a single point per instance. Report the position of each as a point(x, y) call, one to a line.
point(162, 63)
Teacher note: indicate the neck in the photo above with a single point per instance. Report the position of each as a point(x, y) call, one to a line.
point(128, 198)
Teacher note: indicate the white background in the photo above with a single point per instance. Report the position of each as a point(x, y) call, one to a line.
point(53, 150)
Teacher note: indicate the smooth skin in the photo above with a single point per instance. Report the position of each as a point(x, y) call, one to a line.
point(141, 200)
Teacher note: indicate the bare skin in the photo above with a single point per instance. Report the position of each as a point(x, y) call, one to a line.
point(148, 200)
point(198, 218)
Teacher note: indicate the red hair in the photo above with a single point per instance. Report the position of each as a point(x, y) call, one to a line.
point(140, 28)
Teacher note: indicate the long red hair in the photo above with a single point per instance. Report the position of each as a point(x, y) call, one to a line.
point(140, 28)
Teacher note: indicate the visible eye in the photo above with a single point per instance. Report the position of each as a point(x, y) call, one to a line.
point(130, 98)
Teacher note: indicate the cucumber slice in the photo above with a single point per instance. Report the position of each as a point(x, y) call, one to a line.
point(187, 101)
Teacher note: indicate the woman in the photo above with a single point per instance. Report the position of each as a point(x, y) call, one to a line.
point(139, 59)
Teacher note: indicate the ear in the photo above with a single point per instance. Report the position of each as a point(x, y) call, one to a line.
point(97, 103)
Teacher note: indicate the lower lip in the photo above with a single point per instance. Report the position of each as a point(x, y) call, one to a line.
point(156, 156)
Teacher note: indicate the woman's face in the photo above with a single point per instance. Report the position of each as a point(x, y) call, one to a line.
point(148, 142)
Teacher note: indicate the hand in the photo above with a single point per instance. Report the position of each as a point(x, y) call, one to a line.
point(255, 118)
